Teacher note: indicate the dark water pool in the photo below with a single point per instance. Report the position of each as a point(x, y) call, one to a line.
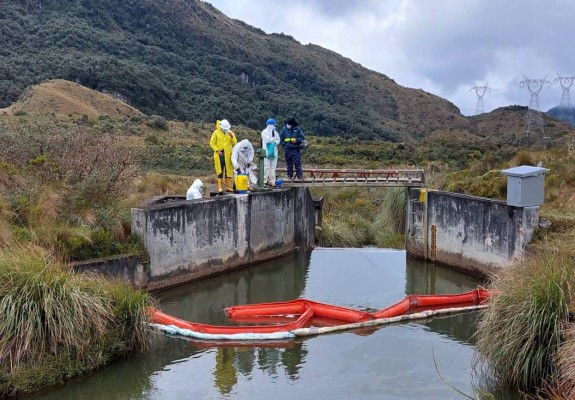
point(400, 361)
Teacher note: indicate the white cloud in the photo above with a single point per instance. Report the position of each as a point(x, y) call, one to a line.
point(441, 46)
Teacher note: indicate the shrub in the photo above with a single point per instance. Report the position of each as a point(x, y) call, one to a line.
point(20, 113)
point(158, 122)
point(152, 140)
point(98, 243)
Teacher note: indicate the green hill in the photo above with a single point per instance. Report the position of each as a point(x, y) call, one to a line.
point(185, 60)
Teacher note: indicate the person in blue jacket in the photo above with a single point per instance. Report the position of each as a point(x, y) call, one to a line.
point(291, 138)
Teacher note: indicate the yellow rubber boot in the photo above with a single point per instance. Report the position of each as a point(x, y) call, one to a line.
point(220, 189)
point(229, 185)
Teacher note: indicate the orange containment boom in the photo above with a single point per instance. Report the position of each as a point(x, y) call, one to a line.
point(286, 320)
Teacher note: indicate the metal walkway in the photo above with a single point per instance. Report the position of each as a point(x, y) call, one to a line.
point(359, 177)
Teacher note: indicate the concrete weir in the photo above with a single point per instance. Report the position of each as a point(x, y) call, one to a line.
point(467, 232)
point(188, 240)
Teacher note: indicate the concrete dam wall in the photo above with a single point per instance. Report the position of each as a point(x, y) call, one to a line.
point(187, 240)
point(472, 233)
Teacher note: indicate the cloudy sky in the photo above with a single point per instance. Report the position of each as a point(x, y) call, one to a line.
point(441, 46)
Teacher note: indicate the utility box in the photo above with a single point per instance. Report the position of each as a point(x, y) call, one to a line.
point(525, 185)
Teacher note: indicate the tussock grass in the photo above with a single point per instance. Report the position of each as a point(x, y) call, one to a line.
point(348, 231)
point(48, 311)
point(389, 223)
point(523, 157)
point(363, 217)
point(6, 214)
point(564, 386)
point(130, 315)
point(394, 202)
point(521, 332)
point(6, 236)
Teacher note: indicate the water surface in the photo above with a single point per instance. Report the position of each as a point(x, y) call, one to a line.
point(392, 362)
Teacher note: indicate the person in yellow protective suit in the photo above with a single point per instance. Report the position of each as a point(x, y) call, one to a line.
point(222, 142)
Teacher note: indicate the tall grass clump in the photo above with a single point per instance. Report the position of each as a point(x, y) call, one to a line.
point(347, 217)
point(362, 217)
point(59, 323)
point(389, 222)
point(564, 385)
point(46, 309)
point(520, 333)
point(523, 157)
point(347, 231)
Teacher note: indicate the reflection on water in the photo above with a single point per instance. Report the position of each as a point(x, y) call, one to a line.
point(393, 362)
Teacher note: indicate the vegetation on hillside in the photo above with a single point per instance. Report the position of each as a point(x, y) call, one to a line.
point(77, 177)
point(62, 190)
point(185, 60)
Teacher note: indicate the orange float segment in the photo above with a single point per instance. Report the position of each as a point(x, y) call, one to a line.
point(297, 307)
point(447, 299)
point(339, 313)
point(159, 317)
point(399, 308)
point(278, 308)
point(265, 319)
point(477, 296)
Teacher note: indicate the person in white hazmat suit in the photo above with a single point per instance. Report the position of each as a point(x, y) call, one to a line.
point(242, 160)
point(195, 191)
point(270, 142)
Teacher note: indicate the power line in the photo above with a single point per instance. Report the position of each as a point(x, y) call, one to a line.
point(534, 117)
point(480, 92)
point(565, 112)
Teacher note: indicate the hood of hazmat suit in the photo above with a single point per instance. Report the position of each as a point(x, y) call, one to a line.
point(195, 191)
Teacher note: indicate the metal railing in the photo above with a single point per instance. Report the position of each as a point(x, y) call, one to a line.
point(359, 177)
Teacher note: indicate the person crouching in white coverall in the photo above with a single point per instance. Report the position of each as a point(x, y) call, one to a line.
point(242, 159)
point(270, 142)
point(195, 191)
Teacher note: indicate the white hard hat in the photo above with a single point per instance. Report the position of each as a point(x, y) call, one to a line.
point(225, 125)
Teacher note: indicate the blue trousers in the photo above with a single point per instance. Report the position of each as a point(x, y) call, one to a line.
point(293, 159)
point(222, 165)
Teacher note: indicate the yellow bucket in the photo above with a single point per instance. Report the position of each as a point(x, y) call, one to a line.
point(241, 183)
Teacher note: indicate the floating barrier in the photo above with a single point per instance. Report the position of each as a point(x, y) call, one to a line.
point(302, 317)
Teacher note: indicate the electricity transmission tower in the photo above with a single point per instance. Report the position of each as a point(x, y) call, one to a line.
point(565, 112)
point(534, 117)
point(480, 92)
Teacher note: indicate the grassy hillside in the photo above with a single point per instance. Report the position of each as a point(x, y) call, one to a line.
point(185, 60)
point(510, 123)
point(64, 97)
